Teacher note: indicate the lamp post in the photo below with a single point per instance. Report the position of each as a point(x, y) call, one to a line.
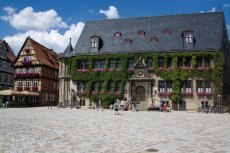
point(219, 106)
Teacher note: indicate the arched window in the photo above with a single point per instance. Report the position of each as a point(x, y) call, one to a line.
point(154, 39)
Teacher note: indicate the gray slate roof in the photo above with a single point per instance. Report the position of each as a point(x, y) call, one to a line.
point(207, 27)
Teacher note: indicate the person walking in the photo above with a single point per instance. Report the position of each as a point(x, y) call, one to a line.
point(116, 108)
point(164, 108)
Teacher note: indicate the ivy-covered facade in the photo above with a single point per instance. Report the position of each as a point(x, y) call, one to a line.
point(143, 65)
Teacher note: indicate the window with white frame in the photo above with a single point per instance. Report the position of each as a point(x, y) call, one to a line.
point(199, 84)
point(20, 83)
point(188, 39)
point(81, 86)
point(169, 86)
point(94, 42)
point(207, 86)
point(26, 58)
point(27, 83)
point(186, 86)
point(162, 86)
point(35, 82)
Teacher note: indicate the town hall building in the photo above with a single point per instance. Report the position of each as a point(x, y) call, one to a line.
point(181, 59)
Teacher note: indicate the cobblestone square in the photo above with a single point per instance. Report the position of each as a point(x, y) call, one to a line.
point(41, 130)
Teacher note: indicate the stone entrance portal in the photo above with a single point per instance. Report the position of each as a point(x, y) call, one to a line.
point(140, 94)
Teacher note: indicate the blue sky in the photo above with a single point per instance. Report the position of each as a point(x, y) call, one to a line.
point(52, 22)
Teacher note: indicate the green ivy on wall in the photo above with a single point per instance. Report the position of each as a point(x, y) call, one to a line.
point(175, 75)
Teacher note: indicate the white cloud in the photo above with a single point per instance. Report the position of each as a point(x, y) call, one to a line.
point(226, 5)
point(51, 39)
point(213, 10)
point(27, 19)
point(111, 13)
point(9, 10)
point(201, 11)
point(92, 12)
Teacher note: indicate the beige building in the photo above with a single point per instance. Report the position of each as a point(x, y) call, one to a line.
point(175, 59)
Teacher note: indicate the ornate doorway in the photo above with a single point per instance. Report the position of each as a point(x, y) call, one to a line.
point(140, 93)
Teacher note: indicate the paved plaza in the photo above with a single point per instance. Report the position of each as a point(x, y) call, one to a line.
point(41, 130)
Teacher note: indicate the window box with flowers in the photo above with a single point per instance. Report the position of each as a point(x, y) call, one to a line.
point(26, 62)
point(94, 92)
point(162, 68)
point(165, 94)
point(23, 75)
point(187, 94)
point(208, 94)
point(200, 93)
point(83, 70)
point(82, 93)
point(202, 68)
point(185, 68)
point(169, 69)
point(19, 88)
point(110, 92)
point(27, 88)
point(98, 70)
point(110, 69)
point(118, 70)
point(36, 74)
point(149, 69)
point(34, 88)
point(117, 93)
point(101, 92)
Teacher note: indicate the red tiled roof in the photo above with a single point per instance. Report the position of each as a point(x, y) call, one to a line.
point(45, 55)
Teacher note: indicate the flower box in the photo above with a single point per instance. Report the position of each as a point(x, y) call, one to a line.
point(208, 94)
point(200, 93)
point(26, 62)
point(83, 70)
point(27, 88)
point(202, 68)
point(186, 94)
point(117, 93)
point(162, 68)
point(101, 92)
point(94, 92)
point(82, 93)
point(185, 68)
point(149, 68)
point(19, 88)
point(98, 70)
point(110, 92)
point(34, 88)
point(169, 69)
point(164, 94)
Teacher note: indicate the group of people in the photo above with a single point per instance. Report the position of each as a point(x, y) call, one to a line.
point(163, 106)
point(124, 105)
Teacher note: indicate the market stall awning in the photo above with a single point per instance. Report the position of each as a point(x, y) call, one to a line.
point(11, 92)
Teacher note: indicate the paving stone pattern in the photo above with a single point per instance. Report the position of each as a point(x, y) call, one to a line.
point(41, 130)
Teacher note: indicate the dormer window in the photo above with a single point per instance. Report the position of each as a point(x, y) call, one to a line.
point(141, 33)
point(94, 41)
point(154, 39)
point(117, 34)
point(167, 32)
point(188, 39)
point(127, 41)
